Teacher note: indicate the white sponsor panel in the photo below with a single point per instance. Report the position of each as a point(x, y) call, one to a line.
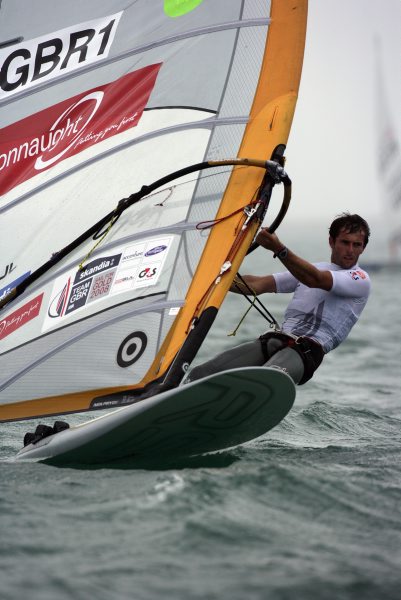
point(124, 280)
point(133, 253)
point(101, 285)
point(49, 56)
point(129, 268)
point(141, 264)
point(148, 275)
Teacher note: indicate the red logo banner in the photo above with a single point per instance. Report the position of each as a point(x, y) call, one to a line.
point(20, 317)
point(42, 140)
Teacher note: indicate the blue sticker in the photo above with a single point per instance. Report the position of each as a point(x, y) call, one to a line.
point(7, 289)
point(155, 250)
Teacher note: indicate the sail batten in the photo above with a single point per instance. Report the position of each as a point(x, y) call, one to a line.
point(114, 268)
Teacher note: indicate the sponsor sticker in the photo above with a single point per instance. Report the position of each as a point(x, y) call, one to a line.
point(49, 56)
point(101, 285)
point(147, 275)
point(79, 296)
point(155, 250)
point(357, 275)
point(132, 267)
point(124, 280)
point(59, 301)
point(133, 253)
point(141, 264)
point(97, 266)
point(46, 138)
point(7, 289)
point(20, 317)
point(71, 292)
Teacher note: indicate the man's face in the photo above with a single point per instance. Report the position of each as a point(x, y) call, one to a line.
point(346, 248)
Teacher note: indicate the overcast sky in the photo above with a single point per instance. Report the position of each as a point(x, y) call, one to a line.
point(332, 150)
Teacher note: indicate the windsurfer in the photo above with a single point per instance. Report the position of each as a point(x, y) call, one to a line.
point(327, 302)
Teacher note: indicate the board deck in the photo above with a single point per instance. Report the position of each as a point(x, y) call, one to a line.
point(220, 411)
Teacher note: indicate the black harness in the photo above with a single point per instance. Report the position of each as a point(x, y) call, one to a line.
point(310, 351)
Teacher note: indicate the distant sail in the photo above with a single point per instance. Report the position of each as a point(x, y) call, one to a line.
point(389, 163)
point(93, 113)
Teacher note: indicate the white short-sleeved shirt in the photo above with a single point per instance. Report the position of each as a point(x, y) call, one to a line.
point(325, 316)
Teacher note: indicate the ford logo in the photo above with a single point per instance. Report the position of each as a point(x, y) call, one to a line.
point(155, 250)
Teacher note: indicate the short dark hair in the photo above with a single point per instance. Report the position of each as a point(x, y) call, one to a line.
point(351, 224)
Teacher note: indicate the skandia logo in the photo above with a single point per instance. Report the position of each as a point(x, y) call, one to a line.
point(55, 54)
point(96, 266)
point(155, 250)
point(69, 127)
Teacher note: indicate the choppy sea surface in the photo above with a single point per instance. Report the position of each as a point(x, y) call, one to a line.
point(311, 510)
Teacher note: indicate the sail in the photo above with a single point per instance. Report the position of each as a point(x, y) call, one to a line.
point(389, 162)
point(111, 265)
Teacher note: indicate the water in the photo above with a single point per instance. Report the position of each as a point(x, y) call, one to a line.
point(310, 511)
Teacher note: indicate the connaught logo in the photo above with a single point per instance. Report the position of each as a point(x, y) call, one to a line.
point(73, 125)
point(66, 128)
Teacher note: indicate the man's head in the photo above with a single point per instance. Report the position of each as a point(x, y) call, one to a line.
point(350, 224)
point(349, 235)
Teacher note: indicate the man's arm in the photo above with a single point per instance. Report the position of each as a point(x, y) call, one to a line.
point(301, 269)
point(258, 284)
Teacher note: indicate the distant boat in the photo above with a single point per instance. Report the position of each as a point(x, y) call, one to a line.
point(389, 155)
